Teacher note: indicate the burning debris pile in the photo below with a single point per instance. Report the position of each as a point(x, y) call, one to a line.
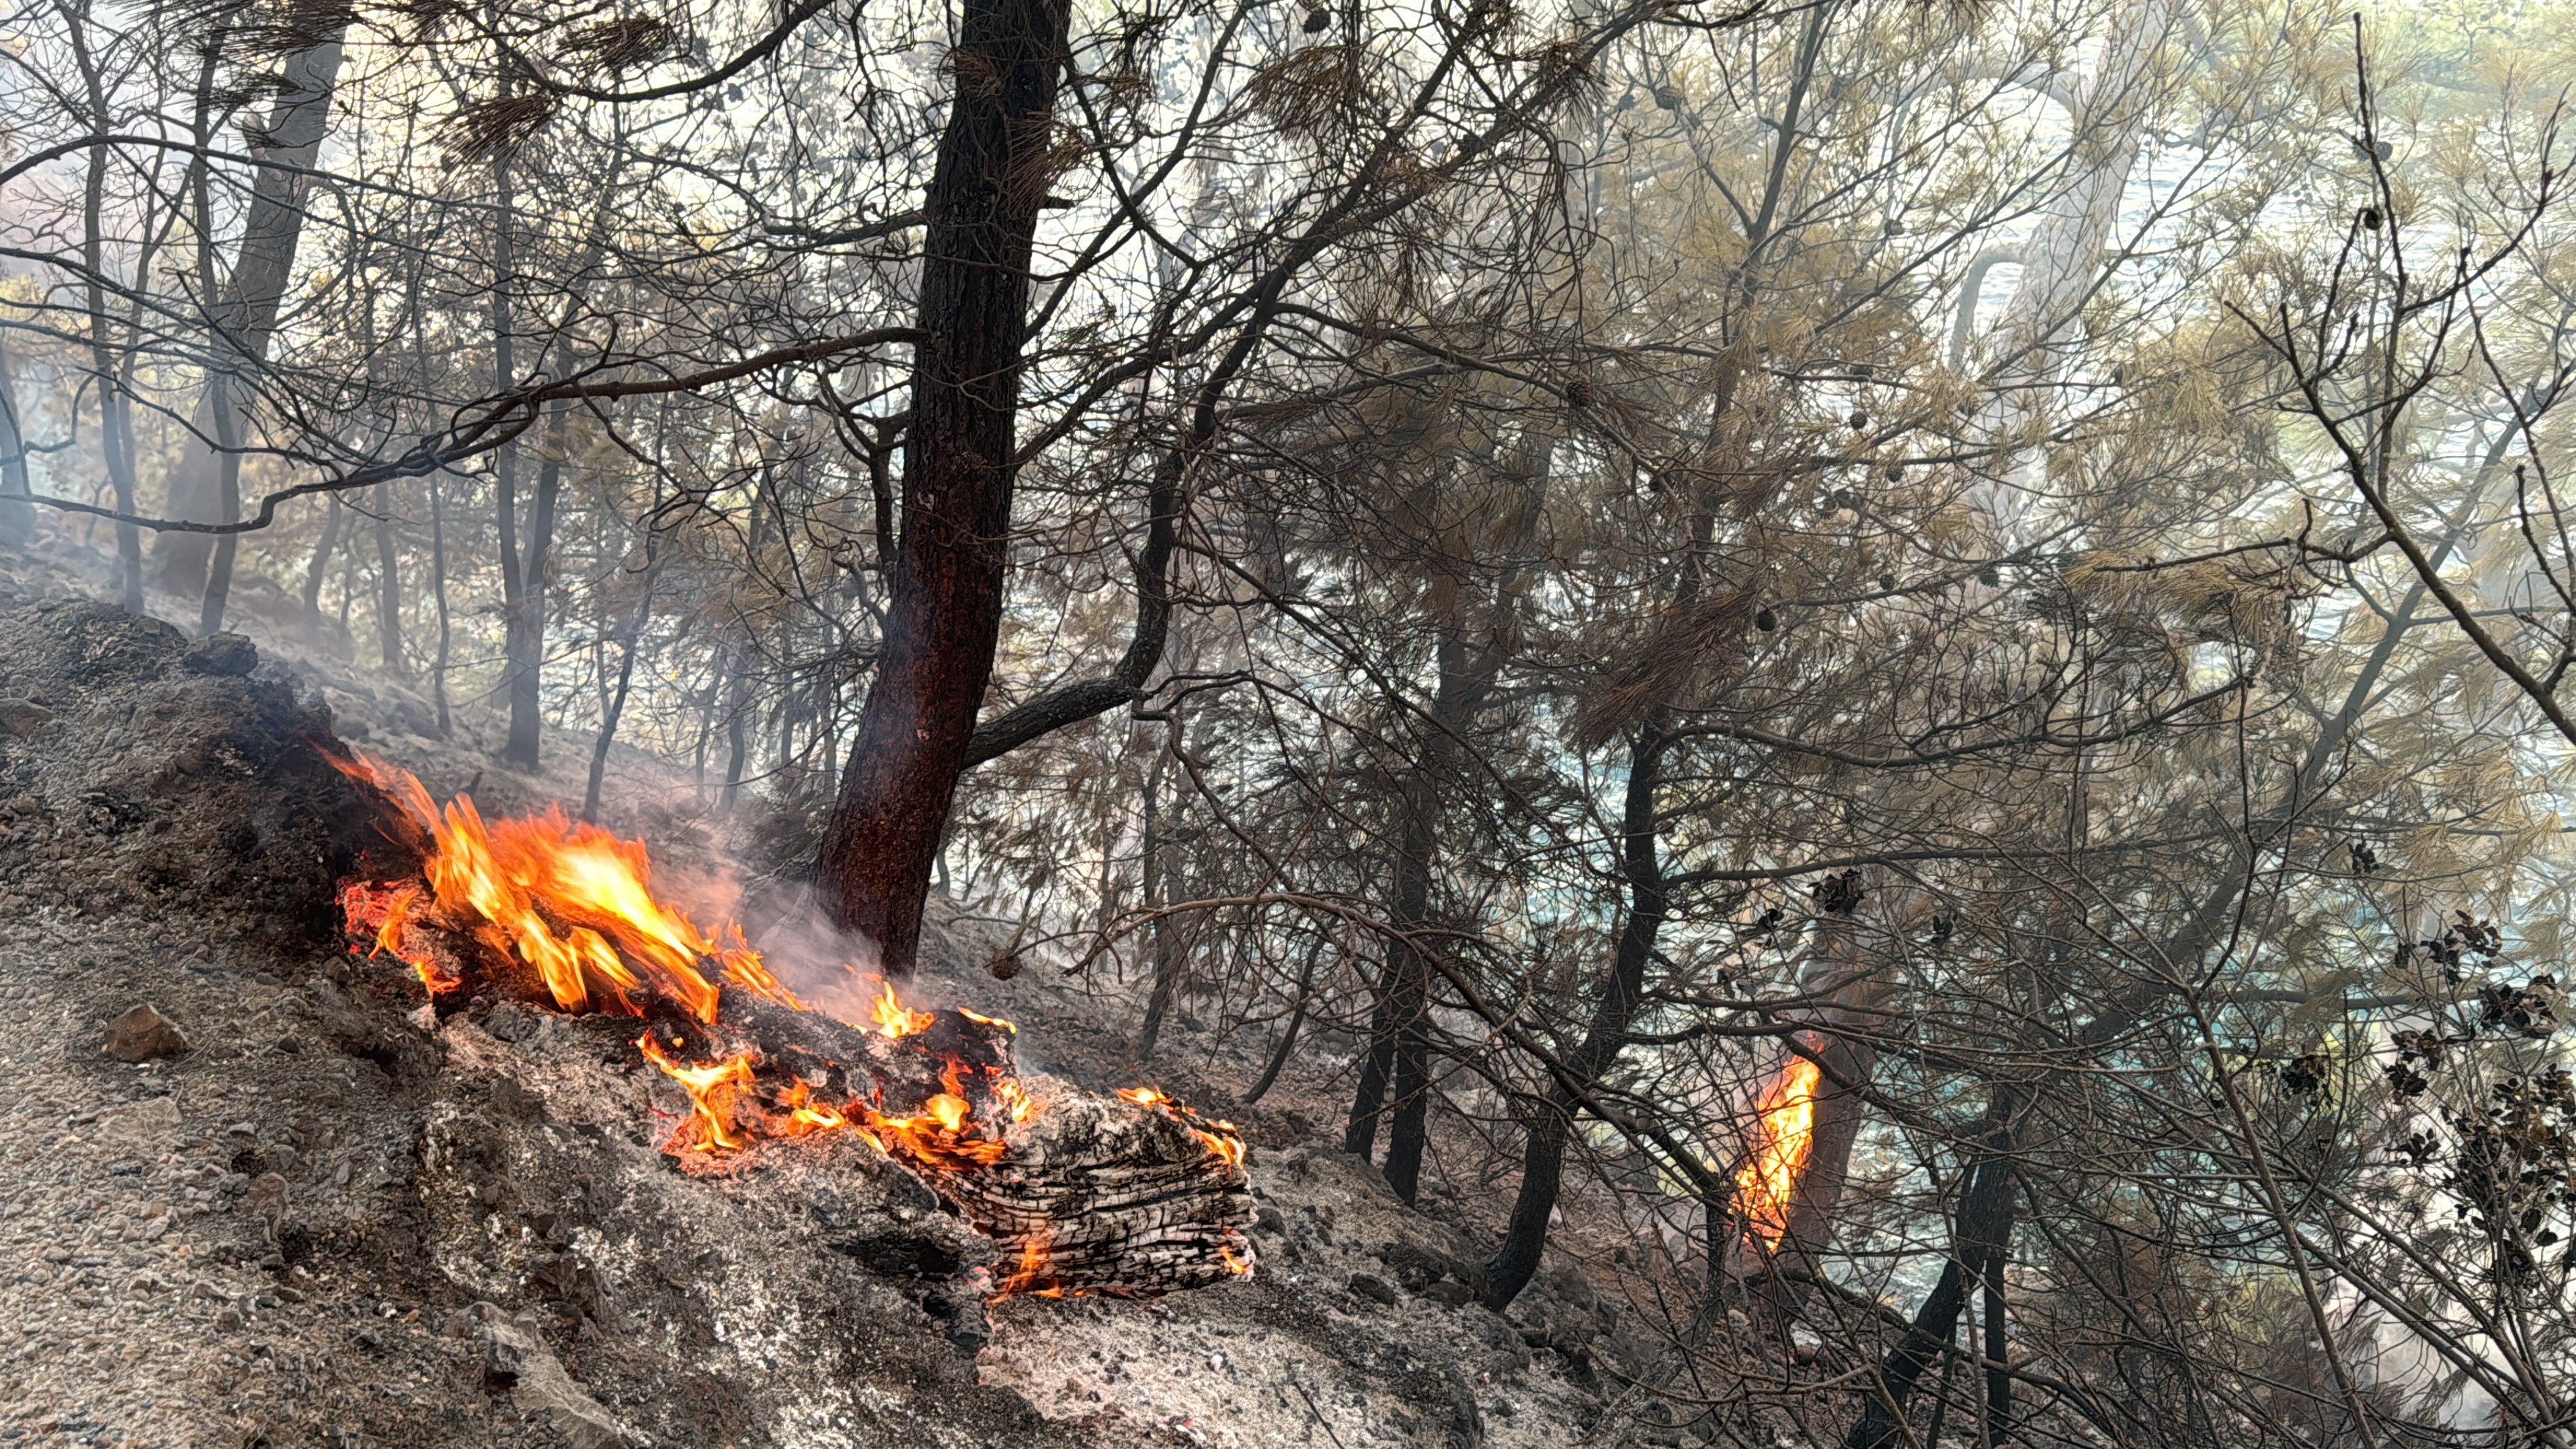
point(1085, 1194)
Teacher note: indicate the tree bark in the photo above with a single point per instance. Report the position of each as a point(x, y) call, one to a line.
point(320, 567)
point(524, 641)
point(523, 568)
point(389, 631)
point(1402, 1038)
point(115, 433)
point(1551, 1117)
point(1157, 891)
point(1984, 1233)
point(245, 316)
point(614, 708)
point(17, 519)
point(438, 591)
point(943, 619)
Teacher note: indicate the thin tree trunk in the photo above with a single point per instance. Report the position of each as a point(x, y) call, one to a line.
point(1157, 889)
point(320, 568)
point(1465, 681)
point(1288, 1037)
point(438, 591)
point(1551, 1117)
point(944, 617)
point(525, 644)
point(17, 520)
point(115, 437)
point(245, 314)
point(612, 706)
point(221, 380)
point(737, 737)
point(389, 630)
point(615, 708)
point(1984, 1235)
point(219, 569)
point(523, 570)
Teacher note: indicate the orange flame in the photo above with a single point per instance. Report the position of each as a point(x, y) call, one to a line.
point(712, 1086)
point(575, 904)
point(1785, 1134)
point(388, 914)
point(897, 1020)
point(1033, 1267)
point(1221, 1138)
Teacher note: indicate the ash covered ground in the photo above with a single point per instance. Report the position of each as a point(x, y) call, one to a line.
point(323, 1223)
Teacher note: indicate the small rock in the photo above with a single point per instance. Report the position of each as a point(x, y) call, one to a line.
point(139, 1122)
point(221, 654)
point(23, 717)
point(513, 1356)
point(267, 1193)
point(1373, 1288)
point(143, 1035)
point(228, 1317)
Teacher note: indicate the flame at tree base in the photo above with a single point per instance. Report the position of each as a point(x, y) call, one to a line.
point(1784, 1138)
point(564, 915)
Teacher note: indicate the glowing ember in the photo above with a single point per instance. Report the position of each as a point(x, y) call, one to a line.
point(1785, 1133)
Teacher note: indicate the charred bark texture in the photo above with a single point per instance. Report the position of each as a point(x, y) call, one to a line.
point(1984, 1230)
point(944, 617)
point(1551, 1117)
point(1400, 1045)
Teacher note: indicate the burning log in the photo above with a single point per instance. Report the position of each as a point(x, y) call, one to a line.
point(1132, 1194)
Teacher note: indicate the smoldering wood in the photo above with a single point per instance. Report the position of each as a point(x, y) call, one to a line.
point(1091, 1194)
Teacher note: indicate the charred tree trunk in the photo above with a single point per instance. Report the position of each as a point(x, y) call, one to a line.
point(219, 568)
point(737, 734)
point(944, 617)
point(1847, 971)
point(613, 708)
point(1984, 1231)
point(523, 567)
point(1401, 1045)
point(524, 640)
point(245, 315)
point(1551, 1117)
